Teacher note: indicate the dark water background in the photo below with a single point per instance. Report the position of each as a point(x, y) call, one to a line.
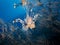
point(47, 31)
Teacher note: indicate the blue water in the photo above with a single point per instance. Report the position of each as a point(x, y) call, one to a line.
point(7, 11)
point(45, 29)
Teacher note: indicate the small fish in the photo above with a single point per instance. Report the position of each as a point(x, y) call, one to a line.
point(24, 2)
point(15, 5)
point(28, 22)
